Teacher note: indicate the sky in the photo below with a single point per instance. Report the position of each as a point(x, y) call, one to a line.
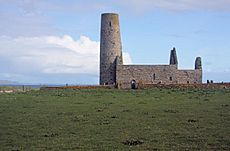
point(57, 41)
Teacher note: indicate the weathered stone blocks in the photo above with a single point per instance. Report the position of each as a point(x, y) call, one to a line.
point(110, 48)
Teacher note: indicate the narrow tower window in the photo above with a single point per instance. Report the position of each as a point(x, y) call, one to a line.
point(170, 78)
point(154, 76)
point(110, 24)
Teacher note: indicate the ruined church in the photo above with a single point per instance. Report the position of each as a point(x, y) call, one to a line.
point(114, 72)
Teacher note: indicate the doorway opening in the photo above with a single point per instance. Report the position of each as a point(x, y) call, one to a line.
point(133, 84)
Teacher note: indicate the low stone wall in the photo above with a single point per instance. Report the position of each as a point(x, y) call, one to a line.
point(77, 87)
point(187, 86)
point(7, 91)
point(148, 86)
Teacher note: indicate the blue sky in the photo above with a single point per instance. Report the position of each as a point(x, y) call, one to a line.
point(57, 41)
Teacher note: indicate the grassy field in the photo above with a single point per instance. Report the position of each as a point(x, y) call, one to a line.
point(110, 119)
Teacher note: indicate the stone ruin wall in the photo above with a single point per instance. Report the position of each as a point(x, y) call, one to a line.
point(155, 74)
point(189, 76)
point(113, 72)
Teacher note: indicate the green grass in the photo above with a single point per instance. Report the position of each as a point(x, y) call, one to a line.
point(104, 119)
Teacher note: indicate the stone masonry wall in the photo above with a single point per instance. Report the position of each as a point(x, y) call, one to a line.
point(155, 74)
point(110, 48)
point(189, 76)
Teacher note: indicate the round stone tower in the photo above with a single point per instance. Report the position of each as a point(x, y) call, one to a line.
point(110, 48)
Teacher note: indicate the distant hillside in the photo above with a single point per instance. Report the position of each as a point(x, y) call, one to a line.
point(6, 82)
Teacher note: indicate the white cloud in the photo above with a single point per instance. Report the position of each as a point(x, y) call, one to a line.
point(24, 18)
point(83, 46)
point(144, 5)
point(51, 55)
point(126, 58)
